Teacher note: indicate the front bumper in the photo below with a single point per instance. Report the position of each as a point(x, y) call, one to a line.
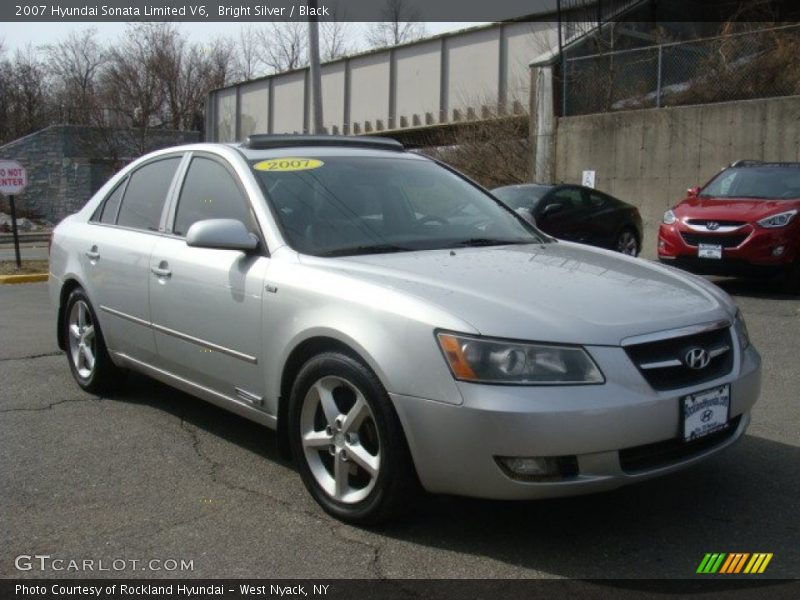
point(454, 446)
point(755, 254)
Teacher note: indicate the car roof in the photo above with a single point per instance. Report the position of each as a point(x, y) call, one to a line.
point(524, 186)
point(280, 146)
point(259, 146)
point(759, 163)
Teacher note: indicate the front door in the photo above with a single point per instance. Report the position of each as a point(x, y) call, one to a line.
point(206, 304)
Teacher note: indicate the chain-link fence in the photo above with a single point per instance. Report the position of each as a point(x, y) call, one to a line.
point(756, 64)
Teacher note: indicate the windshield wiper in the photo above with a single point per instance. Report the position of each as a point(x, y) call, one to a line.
point(365, 249)
point(487, 241)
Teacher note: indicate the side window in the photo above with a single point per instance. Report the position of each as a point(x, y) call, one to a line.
point(146, 193)
point(569, 197)
point(107, 212)
point(209, 192)
point(596, 200)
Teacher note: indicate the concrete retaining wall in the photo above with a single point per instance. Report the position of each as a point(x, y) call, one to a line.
point(650, 157)
point(64, 171)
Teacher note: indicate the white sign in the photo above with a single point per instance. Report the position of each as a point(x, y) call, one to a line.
point(588, 179)
point(13, 177)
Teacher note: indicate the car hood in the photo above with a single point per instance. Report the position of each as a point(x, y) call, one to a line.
point(732, 209)
point(556, 292)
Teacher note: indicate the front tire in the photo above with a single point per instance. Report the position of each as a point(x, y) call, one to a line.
point(348, 442)
point(87, 354)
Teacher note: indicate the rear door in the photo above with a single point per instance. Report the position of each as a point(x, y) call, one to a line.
point(116, 258)
point(602, 221)
point(206, 304)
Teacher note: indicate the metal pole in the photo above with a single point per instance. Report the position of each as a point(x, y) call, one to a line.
point(14, 230)
point(316, 75)
point(658, 83)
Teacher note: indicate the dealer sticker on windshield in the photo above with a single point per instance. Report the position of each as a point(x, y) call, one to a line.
point(705, 412)
point(288, 164)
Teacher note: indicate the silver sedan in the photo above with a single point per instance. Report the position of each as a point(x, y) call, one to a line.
point(398, 327)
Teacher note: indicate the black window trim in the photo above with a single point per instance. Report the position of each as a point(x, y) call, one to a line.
point(101, 208)
point(174, 198)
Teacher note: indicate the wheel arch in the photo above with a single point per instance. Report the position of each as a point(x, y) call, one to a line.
point(299, 355)
point(67, 287)
point(628, 226)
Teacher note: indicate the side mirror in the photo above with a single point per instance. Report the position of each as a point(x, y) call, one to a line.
point(692, 192)
point(552, 209)
point(221, 234)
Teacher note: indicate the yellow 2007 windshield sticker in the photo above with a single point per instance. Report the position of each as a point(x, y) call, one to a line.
point(288, 164)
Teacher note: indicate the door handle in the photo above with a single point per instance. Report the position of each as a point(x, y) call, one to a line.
point(161, 272)
point(93, 254)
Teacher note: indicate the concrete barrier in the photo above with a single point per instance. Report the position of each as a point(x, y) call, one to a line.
point(650, 157)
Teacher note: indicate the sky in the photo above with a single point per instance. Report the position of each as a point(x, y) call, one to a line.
point(18, 35)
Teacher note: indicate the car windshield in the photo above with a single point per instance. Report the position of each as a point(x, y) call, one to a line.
point(521, 196)
point(768, 182)
point(338, 206)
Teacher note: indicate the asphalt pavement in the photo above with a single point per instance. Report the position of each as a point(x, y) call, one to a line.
point(153, 473)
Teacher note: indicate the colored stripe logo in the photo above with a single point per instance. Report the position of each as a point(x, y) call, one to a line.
point(734, 563)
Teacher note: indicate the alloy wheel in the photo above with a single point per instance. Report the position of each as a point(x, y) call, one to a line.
point(627, 243)
point(340, 439)
point(82, 341)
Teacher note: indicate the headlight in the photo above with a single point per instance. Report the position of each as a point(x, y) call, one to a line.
point(497, 361)
point(669, 218)
point(741, 330)
point(779, 220)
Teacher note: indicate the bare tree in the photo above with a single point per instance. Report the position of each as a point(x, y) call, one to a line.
point(248, 56)
point(284, 46)
point(401, 24)
point(336, 36)
point(133, 91)
point(24, 96)
point(187, 72)
point(75, 65)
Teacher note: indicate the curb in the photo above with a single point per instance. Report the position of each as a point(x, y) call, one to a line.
point(30, 278)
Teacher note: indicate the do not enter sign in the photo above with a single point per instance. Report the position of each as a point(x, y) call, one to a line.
point(13, 177)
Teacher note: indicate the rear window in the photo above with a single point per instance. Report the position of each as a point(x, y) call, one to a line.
point(107, 211)
point(146, 193)
point(521, 197)
point(769, 182)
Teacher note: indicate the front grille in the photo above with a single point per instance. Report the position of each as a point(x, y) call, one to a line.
point(662, 454)
point(671, 354)
point(705, 222)
point(726, 241)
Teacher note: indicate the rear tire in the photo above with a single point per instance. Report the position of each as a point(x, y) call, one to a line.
point(87, 354)
point(347, 441)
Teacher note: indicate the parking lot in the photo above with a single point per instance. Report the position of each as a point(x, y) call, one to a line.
point(155, 474)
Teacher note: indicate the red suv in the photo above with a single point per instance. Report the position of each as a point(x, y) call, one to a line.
point(744, 221)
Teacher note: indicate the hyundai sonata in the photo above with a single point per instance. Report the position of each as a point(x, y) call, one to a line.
point(396, 324)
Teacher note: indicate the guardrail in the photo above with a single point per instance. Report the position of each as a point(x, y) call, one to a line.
point(24, 238)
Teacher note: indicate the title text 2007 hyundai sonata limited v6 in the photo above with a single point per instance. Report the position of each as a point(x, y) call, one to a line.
point(396, 324)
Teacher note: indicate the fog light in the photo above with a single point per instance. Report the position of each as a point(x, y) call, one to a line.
point(778, 250)
point(662, 244)
point(539, 467)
